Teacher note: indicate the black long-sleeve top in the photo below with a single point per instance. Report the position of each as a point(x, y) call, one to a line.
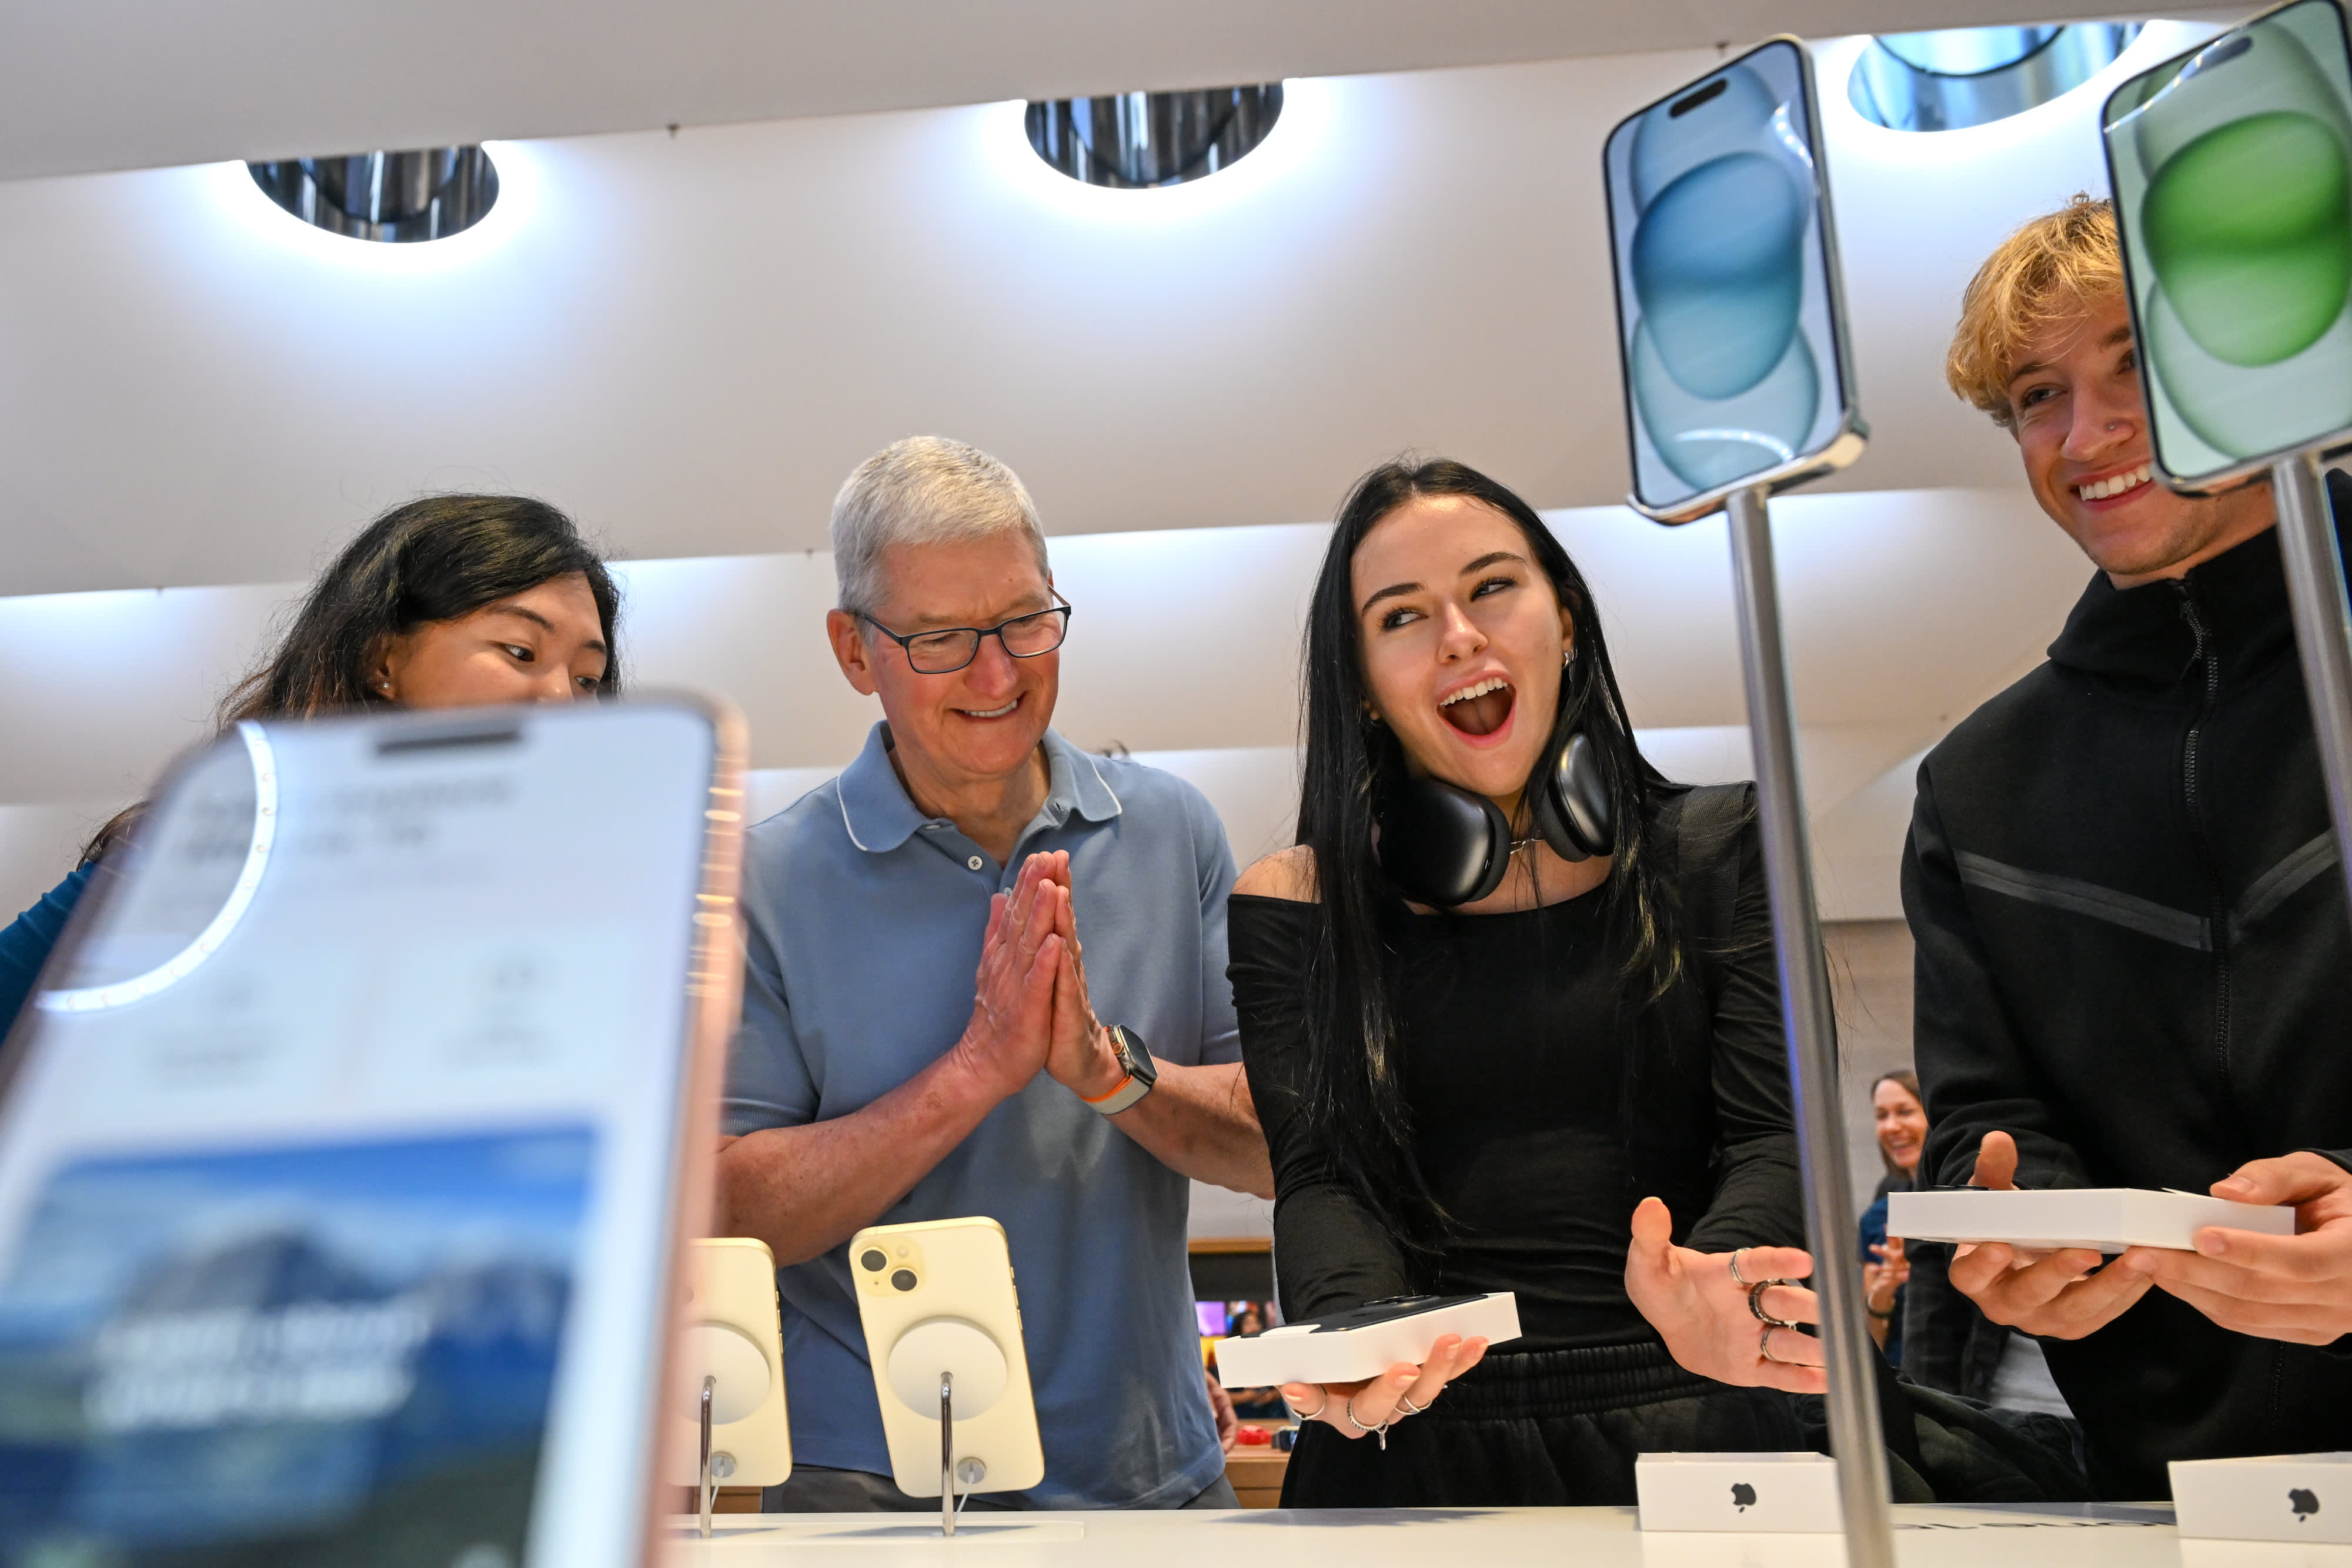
point(2134, 958)
point(1515, 1032)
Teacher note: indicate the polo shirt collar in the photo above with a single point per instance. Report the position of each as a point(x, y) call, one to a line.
point(879, 817)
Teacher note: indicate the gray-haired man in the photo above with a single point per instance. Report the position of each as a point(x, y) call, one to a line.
point(875, 1080)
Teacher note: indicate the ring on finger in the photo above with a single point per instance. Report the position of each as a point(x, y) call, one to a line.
point(1764, 1346)
point(1380, 1431)
point(1736, 1278)
point(1309, 1415)
point(1756, 1305)
point(1409, 1407)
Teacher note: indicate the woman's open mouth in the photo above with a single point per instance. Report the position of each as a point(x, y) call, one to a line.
point(1479, 709)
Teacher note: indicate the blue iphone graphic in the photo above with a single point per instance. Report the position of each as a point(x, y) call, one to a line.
point(1734, 361)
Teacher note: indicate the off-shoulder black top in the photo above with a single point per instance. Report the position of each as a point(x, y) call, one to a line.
point(1528, 1126)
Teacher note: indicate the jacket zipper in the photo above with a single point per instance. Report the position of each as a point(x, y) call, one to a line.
point(2211, 659)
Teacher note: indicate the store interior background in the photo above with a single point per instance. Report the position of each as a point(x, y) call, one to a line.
point(739, 249)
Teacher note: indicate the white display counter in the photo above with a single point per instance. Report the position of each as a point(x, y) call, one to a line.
point(2088, 1535)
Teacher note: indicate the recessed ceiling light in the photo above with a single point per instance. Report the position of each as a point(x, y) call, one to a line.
point(1134, 141)
point(396, 197)
point(1972, 75)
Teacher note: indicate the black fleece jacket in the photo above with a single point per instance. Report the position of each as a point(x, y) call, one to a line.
point(2134, 957)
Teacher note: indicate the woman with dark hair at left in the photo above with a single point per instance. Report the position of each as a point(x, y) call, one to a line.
point(449, 601)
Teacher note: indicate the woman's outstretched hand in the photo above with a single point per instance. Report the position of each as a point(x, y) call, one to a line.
point(1357, 1408)
point(1702, 1312)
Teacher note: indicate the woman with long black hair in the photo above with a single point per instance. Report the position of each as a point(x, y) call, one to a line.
point(448, 602)
point(1510, 1021)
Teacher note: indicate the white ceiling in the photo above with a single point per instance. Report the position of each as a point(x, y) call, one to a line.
point(689, 341)
point(124, 84)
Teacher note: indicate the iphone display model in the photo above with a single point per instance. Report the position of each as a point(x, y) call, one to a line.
point(731, 1335)
point(1731, 324)
point(938, 1297)
point(349, 1141)
point(2232, 166)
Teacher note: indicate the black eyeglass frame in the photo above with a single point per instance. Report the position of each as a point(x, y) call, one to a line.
point(979, 635)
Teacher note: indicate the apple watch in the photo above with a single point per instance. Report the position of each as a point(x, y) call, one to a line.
point(1135, 1060)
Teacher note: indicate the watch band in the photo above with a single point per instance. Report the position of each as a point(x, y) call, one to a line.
point(1130, 1089)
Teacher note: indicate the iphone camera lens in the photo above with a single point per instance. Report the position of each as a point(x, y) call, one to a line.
point(873, 1260)
point(904, 1279)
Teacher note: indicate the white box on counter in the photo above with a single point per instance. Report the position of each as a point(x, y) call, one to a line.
point(2284, 1497)
point(1771, 1493)
point(2109, 1218)
point(1346, 1347)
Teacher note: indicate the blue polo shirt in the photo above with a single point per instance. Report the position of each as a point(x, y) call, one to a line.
point(863, 921)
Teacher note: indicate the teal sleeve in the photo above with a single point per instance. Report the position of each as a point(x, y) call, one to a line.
point(25, 945)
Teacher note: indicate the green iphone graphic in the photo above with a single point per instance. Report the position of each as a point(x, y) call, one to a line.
point(2233, 173)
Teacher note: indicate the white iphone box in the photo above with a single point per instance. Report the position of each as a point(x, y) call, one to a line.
point(1347, 1347)
point(1772, 1493)
point(2284, 1497)
point(2108, 1219)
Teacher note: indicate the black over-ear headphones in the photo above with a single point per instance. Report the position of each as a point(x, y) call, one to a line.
point(1444, 846)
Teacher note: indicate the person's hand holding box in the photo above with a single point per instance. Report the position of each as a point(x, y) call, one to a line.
point(2297, 1288)
point(2062, 1294)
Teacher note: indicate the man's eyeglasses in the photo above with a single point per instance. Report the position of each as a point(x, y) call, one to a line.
point(943, 653)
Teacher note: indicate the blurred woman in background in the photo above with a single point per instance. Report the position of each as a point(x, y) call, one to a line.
point(1901, 1120)
point(449, 601)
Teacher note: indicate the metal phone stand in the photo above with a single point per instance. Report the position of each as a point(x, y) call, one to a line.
point(714, 1467)
point(705, 1487)
point(1856, 1440)
point(2322, 630)
point(947, 1453)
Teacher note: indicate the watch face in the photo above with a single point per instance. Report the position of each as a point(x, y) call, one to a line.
point(1133, 1054)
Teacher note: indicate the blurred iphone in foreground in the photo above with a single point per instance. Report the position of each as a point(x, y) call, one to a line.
point(345, 1152)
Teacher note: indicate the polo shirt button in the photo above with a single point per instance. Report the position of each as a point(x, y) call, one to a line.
point(974, 863)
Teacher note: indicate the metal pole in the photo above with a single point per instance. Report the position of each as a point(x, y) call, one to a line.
point(1855, 1437)
point(703, 1486)
point(947, 1453)
point(2322, 630)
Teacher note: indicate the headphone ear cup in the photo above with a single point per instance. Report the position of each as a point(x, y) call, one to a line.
point(1439, 844)
point(1573, 811)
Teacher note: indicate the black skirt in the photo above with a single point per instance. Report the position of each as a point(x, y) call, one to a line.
point(1546, 1428)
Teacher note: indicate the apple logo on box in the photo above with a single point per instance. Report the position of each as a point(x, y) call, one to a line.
point(1743, 1496)
point(2304, 1502)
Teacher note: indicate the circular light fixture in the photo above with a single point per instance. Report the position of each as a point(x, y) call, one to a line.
point(396, 197)
point(1137, 140)
point(1972, 75)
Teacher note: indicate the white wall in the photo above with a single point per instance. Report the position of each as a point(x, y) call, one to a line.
point(1904, 610)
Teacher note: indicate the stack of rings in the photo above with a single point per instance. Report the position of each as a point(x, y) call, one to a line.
point(1348, 1410)
point(1756, 1289)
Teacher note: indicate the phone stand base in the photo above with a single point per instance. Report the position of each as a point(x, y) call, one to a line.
point(2284, 1497)
point(1748, 1493)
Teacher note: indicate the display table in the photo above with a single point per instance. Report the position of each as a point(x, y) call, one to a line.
point(1989, 1536)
